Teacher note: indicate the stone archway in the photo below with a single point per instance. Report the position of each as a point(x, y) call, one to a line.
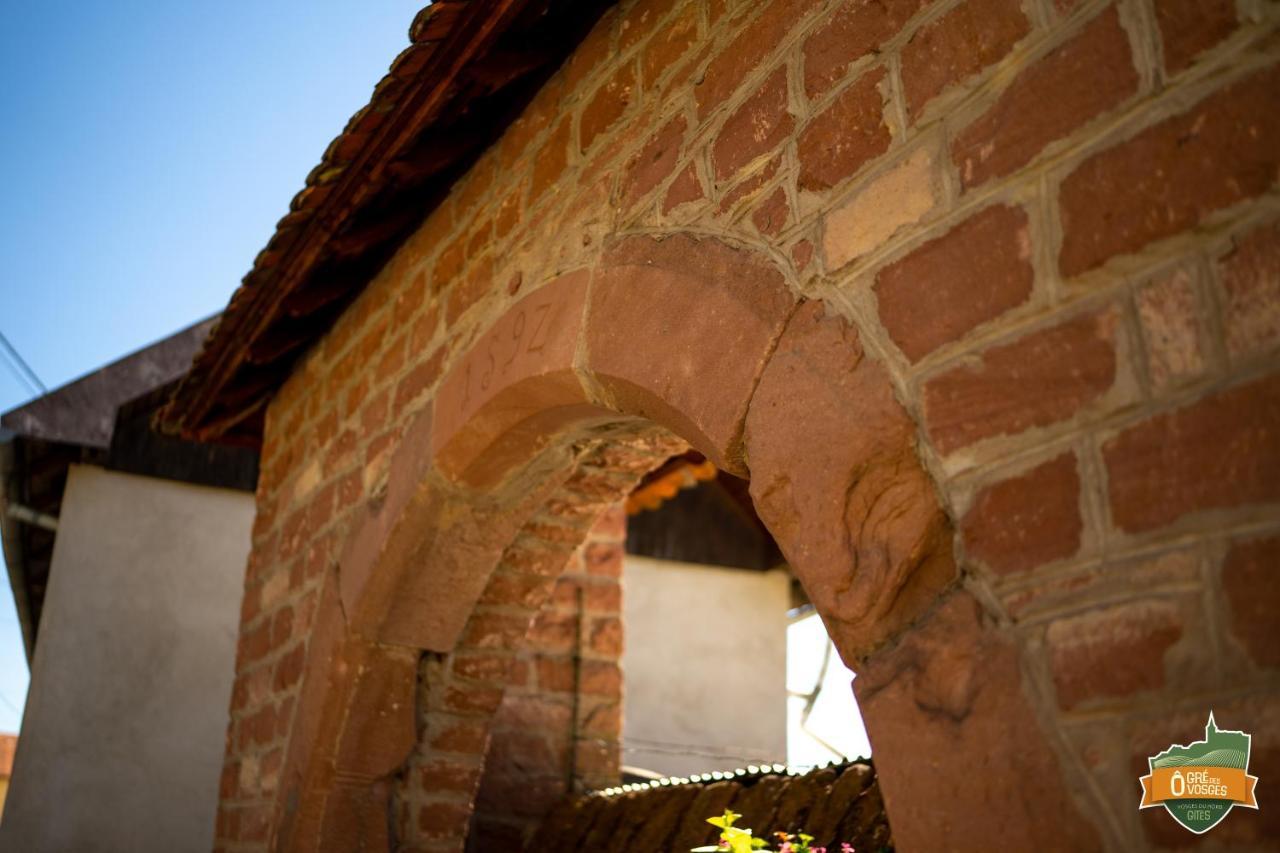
point(693, 338)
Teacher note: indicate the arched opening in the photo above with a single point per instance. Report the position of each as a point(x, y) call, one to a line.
point(550, 418)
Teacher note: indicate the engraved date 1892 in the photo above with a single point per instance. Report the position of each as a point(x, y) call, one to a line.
point(501, 348)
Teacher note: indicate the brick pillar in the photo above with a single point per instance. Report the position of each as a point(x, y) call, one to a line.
point(559, 728)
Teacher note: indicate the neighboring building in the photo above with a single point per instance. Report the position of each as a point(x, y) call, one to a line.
point(126, 553)
point(979, 298)
point(725, 705)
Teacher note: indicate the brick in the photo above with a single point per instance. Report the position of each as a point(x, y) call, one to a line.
point(444, 820)
point(1172, 175)
point(515, 590)
point(652, 164)
point(747, 51)
point(686, 188)
point(448, 265)
point(1027, 520)
point(288, 670)
point(1043, 378)
point(950, 49)
point(1250, 276)
point(554, 632)
point(1190, 27)
point(887, 204)
point(1220, 452)
point(607, 105)
point(761, 124)
point(471, 699)
point(953, 689)
point(1249, 580)
point(750, 185)
point(954, 283)
point(537, 712)
point(459, 735)
point(1075, 83)
point(555, 674)
point(802, 254)
point(770, 216)
point(601, 719)
point(443, 774)
point(606, 637)
point(507, 216)
point(550, 162)
point(603, 597)
point(495, 630)
point(640, 21)
point(420, 378)
point(838, 482)
point(600, 678)
point(855, 30)
point(603, 559)
point(1112, 653)
point(1169, 317)
point(669, 44)
point(483, 667)
point(845, 136)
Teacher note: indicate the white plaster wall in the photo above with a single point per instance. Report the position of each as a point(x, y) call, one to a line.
point(122, 739)
point(704, 667)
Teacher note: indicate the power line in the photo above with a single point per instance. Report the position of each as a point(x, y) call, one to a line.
point(12, 707)
point(23, 371)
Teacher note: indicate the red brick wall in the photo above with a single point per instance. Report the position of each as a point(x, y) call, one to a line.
point(1019, 440)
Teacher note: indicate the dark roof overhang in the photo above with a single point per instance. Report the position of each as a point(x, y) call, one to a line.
point(470, 69)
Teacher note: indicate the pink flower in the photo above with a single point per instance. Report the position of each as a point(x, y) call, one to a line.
point(786, 847)
point(846, 847)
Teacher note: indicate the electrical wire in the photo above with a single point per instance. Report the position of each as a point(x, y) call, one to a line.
point(19, 367)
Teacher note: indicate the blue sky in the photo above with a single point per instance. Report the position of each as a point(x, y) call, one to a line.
point(147, 151)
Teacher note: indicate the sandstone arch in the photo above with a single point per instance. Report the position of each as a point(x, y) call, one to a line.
point(566, 399)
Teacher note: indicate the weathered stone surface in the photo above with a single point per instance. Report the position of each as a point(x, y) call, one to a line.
point(713, 799)
point(759, 803)
point(757, 127)
point(900, 197)
point(1250, 278)
point(1113, 652)
point(1190, 27)
point(845, 136)
point(954, 283)
point(1170, 319)
point(661, 824)
point(1045, 377)
point(380, 729)
point(679, 331)
point(949, 703)
point(958, 45)
point(1172, 175)
point(835, 476)
point(355, 818)
point(1027, 520)
point(500, 402)
point(1081, 79)
point(1251, 581)
point(1222, 451)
